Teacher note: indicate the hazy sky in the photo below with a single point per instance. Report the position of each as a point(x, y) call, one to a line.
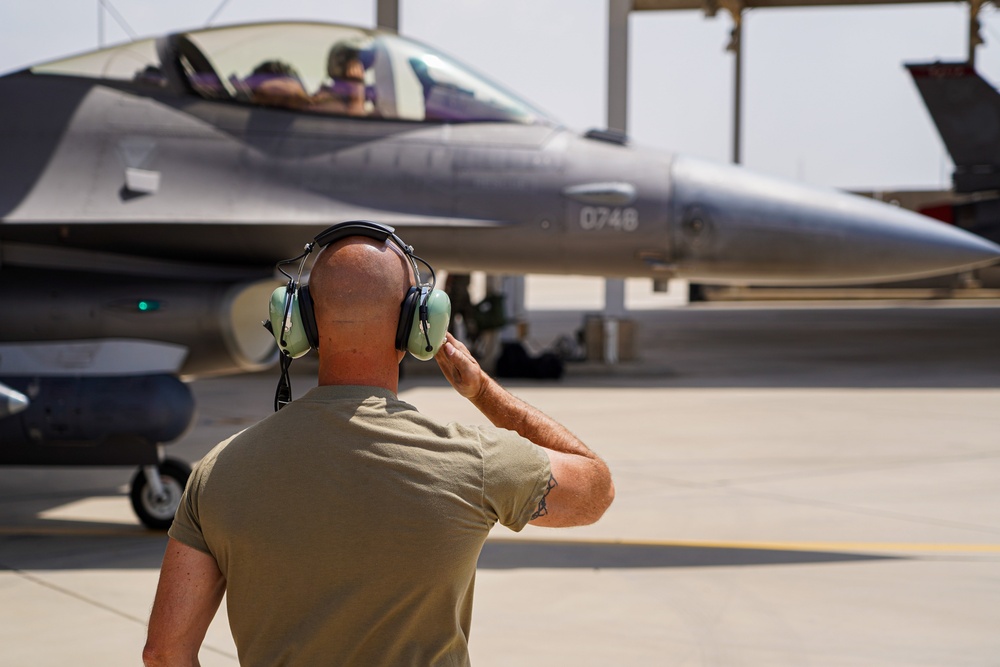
point(826, 98)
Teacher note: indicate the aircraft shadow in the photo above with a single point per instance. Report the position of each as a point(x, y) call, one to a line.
point(517, 554)
point(96, 547)
point(112, 547)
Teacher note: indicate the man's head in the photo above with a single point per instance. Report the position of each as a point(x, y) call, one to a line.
point(357, 286)
point(346, 61)
point(364, 305)
point(276, 68)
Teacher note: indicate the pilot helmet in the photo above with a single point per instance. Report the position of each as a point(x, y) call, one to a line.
point(275, 68)
point(344, 52)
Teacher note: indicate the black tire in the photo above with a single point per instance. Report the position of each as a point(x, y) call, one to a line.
point(158, 513)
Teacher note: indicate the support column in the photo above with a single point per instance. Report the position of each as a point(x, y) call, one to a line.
point(614, 288)
point(618, 12)
point(100, 25)
point(736, 47)
point(513, 292)
point(387, 15)
point(975, 39)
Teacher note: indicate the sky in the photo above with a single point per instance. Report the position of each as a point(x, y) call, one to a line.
point(826, 98)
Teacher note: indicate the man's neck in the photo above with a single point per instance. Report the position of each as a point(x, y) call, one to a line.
point(358, 371)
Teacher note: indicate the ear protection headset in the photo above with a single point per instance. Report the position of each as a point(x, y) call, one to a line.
point(423, 314)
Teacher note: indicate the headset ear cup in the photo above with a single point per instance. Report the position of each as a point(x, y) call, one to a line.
point(308, 316)
point(438, 315)
point(407, 311)
point(286, 322)
point(276, 312)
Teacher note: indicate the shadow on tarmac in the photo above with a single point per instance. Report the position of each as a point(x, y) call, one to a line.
point(104, 547)
point(515, 554)
point(99, 548)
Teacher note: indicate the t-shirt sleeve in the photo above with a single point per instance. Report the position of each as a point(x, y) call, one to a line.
point(186, 527)
point(515, 476)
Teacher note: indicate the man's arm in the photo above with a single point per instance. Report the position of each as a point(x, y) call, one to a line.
point(580, 489)
point(187, 597)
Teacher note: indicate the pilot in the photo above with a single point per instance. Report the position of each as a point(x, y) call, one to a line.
point(346, 92)
point(275, 83)
point(345, 528)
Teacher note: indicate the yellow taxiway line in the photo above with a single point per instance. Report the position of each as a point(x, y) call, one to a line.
point(846, 547)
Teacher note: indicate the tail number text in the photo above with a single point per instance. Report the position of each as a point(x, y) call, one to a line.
point(596, 218)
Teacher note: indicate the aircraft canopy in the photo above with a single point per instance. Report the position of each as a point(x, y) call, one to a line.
point(311, 67)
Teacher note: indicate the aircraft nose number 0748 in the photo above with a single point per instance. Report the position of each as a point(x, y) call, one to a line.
point(596, 218)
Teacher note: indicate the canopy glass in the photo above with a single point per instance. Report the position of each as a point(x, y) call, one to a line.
point(309, 67)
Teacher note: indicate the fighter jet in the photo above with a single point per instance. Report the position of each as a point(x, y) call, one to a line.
point(149, 188)
point(966, 111)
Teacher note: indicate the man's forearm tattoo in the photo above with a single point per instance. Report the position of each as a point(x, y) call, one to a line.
point(542, 507)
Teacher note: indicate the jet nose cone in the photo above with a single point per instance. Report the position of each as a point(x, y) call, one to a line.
point(731, 224)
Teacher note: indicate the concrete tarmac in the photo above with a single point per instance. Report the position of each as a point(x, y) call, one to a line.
point(797, 485)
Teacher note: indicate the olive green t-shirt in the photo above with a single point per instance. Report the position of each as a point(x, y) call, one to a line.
point(348, 527)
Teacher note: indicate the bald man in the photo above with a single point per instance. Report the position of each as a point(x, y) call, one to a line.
point(346, 527)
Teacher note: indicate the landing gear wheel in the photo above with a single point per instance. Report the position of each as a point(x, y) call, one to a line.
point(156, 511)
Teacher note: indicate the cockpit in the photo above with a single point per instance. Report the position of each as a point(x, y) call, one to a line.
point(307, 67)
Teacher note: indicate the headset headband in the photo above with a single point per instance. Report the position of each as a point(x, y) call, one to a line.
point(372, 230)
point(424, 313)
point(367, 228)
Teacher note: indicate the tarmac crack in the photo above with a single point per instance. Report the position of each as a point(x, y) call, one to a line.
point(65, 591)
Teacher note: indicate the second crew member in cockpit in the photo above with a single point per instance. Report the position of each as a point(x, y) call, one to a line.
point(275, 83)
point(345, 93)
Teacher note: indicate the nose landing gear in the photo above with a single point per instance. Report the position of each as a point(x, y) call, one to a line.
point(156, 492)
